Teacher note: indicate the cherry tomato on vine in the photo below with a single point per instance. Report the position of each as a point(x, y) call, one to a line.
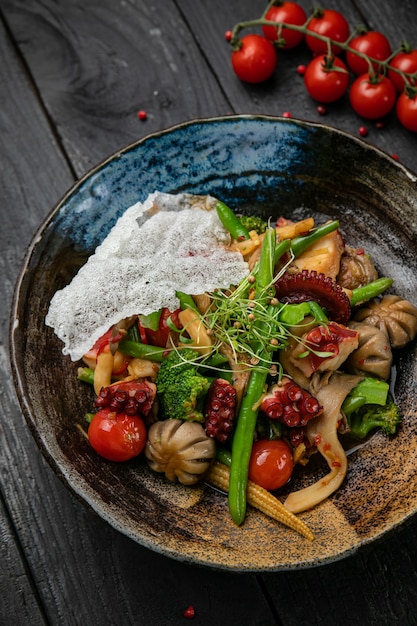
point(374, 44)
point(406, 62)
point(255, 60)
point(117, 436)
point(326, 79)
point(271, 463)
point(328, 23)
point(372, 97)
point(288, 13)
point(407, 111)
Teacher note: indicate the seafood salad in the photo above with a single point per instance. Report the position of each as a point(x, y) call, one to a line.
point(230, 350)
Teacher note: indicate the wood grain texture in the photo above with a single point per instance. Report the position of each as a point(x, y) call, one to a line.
point(96, 65)
point(72, 77)
point(285, 92)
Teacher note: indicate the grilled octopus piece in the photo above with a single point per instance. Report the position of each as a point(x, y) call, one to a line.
point(307, 286)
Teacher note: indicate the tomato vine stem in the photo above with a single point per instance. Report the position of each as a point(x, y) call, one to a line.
point(409, 78)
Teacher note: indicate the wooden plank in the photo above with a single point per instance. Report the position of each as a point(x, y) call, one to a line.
point(19, 603)
point(285, 92)
point(84, 571)
point(97, 64)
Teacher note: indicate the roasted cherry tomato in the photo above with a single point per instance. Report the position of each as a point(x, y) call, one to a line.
point(328, 23)
point(255, 60)
point(287, 13)
point(271, 463)
point(407, 111)
point(159, 337)
point(406, 62)
point(117, 436)
point(374, 44)
point(372, 97)
point(326, 80)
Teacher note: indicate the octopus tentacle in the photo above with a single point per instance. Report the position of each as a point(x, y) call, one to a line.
point(306, 286)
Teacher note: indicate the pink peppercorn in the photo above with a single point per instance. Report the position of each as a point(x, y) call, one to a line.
point(321, 110)
point(189, 613)
point(363, 131)
point(142, 115)
point(228, 35)
point(286, 114)
point(301, 70)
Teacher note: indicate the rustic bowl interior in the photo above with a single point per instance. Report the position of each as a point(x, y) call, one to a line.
point(274, 167)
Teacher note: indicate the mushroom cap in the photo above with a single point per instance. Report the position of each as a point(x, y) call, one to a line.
point(373, 355)
point(179, 449)
point(394, 314)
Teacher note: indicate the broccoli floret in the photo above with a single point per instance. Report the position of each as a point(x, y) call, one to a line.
point(371, 416)
point(252, 222)
point(181, 389)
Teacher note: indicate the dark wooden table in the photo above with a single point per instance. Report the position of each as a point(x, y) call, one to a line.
point(73, 75)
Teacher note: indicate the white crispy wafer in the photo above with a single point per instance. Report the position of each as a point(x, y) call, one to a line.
point(141, 264)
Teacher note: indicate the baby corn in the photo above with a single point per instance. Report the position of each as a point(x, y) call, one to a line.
point(261, 499)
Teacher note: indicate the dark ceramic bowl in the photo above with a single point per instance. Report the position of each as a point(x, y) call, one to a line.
point(277, 167)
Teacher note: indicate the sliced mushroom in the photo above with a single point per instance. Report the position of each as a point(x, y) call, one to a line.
point(393, 313)
point(373, 355)
point(356, 269)
point(322, 432)
point(180, 450)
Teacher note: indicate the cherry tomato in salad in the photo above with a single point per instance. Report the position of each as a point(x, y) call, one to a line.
point(374, 44)
point(255, 60)
point(117, 436)
point(326, 79)
point(406, 62)
point(287, 13)
point(372, 97)
point(407, 111)
point(271, 463)
point(328, 23)
point(159, 337)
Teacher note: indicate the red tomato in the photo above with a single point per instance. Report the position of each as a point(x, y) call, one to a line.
point(255, 60)
point(374, 44)
point(323, 82)
point(117, 436)
point(406, 62)
point(407, 111)
point(160, 337)
point(328, 23)
point(372, 97)
point(287, 13)
point(271, 463)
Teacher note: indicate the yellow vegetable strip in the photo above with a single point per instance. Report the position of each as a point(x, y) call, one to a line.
point(103, 370)
point(293, 230)
point(261, 499)
point(197, 331)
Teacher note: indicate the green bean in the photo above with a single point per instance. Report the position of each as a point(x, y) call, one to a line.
point(231, 222)
point(142, 350)
point(154, 353)
point(281, 247)
point(248, 412)
point(86, 375)
point(242, 445)
point(371, 290)
point(301, 243)
point(318, 313)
